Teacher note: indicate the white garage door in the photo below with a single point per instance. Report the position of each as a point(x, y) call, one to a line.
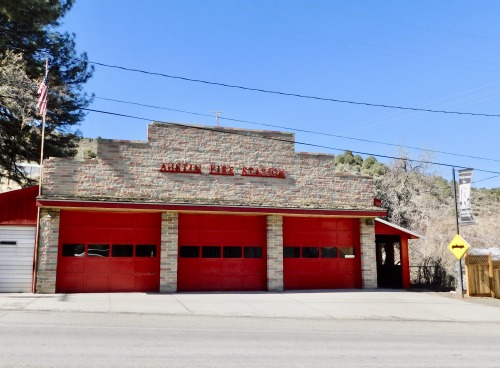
point(16, 258)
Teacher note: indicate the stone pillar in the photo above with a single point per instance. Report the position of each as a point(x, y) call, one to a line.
point(48, 241)
point(274, 253)
point(169, 252)
point(368, 253)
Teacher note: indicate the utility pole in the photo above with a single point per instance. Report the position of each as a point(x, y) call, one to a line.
point(217, 114)
point(460, 280)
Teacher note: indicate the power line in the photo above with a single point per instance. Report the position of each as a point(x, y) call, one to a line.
point(277, 139)
point(359, 103)
point(299, 130)
point(488, 178)
point(291, 94)
point(153, 107)
point(287, 141)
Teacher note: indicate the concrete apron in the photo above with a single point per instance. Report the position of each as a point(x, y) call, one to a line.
point(346, 304)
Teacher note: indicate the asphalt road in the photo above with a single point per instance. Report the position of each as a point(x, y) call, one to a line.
point(78, 339)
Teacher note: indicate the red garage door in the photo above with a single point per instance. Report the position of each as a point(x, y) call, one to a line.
point(321, 253)
point(222, 252)
point(108, 252)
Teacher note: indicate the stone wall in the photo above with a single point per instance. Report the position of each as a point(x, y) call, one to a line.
point(130, 171)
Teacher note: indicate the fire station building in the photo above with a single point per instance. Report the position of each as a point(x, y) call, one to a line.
point(204, 209)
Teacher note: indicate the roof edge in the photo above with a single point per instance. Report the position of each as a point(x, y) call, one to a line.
point(108, 205)
point(402, 229)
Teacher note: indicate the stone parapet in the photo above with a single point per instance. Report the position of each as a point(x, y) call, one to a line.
point(131, 171)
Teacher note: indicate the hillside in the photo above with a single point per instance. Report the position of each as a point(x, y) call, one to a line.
point(423, 203)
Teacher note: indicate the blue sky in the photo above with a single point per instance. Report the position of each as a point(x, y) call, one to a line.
point(426, 54)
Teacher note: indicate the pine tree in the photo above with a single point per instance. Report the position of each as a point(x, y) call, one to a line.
point(28, 36)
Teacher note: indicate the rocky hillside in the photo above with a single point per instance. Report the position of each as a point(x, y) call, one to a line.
point(423, 203)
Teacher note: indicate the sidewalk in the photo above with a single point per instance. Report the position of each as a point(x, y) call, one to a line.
point(349, 304)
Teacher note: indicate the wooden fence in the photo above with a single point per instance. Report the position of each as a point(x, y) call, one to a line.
point(483, 276)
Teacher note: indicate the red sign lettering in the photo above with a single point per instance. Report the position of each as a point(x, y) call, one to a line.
point(183, 168)
point(269, 172)
point(188, 168)
point(221, 170)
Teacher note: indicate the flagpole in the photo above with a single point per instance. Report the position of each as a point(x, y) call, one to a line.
point(42, 106)
point(44, 113)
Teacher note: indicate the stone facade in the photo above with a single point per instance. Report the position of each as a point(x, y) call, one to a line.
point(368, 253)
point(128, 171)
point(48, 240)
point(169, 250)
point(275, 253)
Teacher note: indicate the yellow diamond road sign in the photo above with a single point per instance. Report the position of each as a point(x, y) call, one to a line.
point(458, 246)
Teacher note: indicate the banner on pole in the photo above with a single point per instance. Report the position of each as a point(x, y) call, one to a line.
point(464, 184)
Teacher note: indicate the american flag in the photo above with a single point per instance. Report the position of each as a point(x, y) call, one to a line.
point(42, 99)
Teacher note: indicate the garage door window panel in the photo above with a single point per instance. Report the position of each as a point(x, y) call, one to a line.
point(189, 251)
point(73, 250)
point(253, 252)
point(346, 252)
point(145, 250)
point(310, 252)
point(329, 252)
point(291, 252)
point(210, 252)
point(232, 252)
point(122, 250)
point(98, 250)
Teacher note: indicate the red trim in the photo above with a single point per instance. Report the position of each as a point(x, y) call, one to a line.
point(383, 229)
point(201, 208)
point(405, 264)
